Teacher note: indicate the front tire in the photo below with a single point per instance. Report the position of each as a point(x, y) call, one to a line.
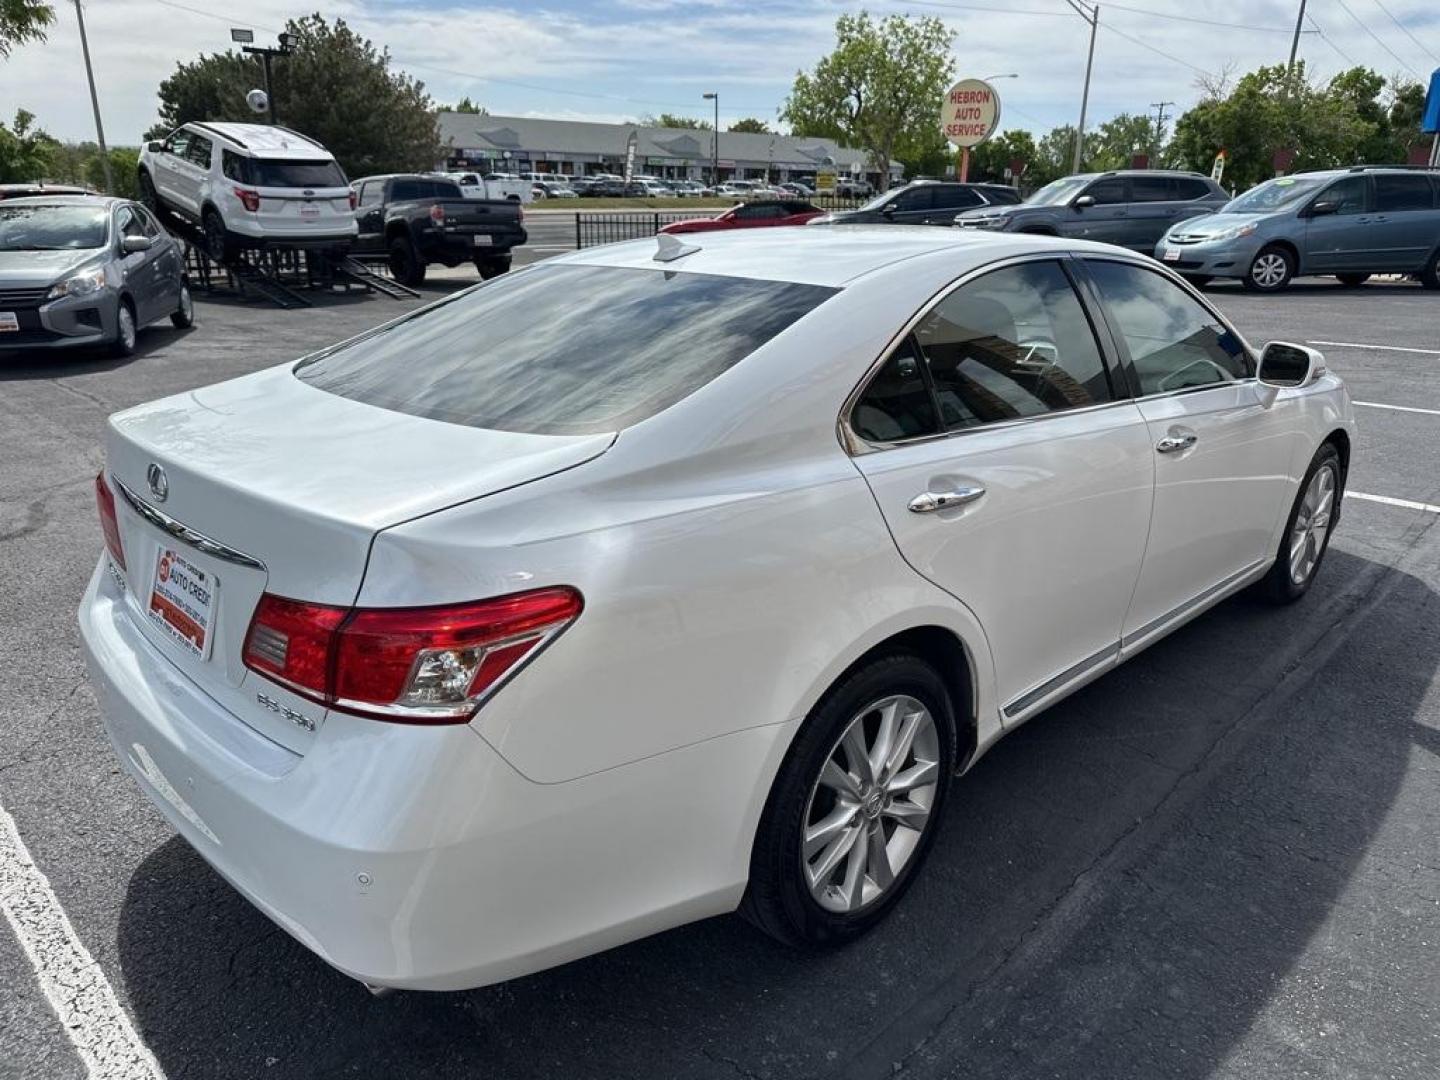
point(126, 331)
point(1270, 270)
point(1307, 530)
point(218, 244)
point(1430, 275)
point(856, 805)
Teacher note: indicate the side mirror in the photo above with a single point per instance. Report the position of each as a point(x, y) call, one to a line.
point(1322, 207)
point(155, 146)
point(1083, 201)
point(130, 245)
point(1285, 365)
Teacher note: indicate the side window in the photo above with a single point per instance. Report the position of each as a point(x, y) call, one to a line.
point(955, 198)
point(1107, 192)
point(1349, 193)
point(127, 223)
point(178, 142)
point(198, 153)
point(1174, 342)
point(372, 193)
point(1012, 344)
point(1189, 188)
point(148, 224)
point(1150, 189)
point(1397, 192)
point(915, 199)
point(233, 166)
point(759, 211)
point(897, 404)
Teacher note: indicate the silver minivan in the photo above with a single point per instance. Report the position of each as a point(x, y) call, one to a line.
point(1348, 222)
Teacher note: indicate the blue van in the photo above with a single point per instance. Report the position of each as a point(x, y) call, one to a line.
point(1348, 222)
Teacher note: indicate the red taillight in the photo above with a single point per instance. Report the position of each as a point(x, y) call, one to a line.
point(354, 200)
point(416, 665)
point(109, 525)
point(251, 199)
point(437, 214)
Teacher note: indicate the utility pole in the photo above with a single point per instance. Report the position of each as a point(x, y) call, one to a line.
point(95, 102)
point(1091, 14)
point(1295, 41)
point(1159, 107)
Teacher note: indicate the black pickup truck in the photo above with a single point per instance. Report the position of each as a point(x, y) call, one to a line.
point(410, 221)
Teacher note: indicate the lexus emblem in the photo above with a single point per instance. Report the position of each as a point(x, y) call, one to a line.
point(159, 486)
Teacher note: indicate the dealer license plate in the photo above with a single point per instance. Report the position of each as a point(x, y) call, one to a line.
point(1172, 254)
point(309, 211)
point(182, 601)
point(483, 240)
point(9, 322)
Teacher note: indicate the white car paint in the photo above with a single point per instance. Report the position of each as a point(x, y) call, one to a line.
point(735, 553)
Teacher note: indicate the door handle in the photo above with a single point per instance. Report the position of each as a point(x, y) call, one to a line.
point(927, 502)
point(1173, 444)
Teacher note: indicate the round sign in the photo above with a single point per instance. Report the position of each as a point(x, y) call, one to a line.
point(970, 114)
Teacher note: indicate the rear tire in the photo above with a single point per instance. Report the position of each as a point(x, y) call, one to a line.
point(1270, 270)
point(218, 244)
point(1307, 530)
point(1350, 281)
point(1430, 276)
point(183, 317)
point(492, 267)
point(869, 830)
point(406, 266)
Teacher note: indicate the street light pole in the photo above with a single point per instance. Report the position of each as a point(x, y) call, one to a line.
point(715, 141)
point(95, 102)
point(1092, 16)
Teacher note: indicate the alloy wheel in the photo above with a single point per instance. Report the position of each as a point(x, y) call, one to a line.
point(871, 803)
point(1312, 524)
point(1269, 269)
point(126, 327)
point(187, 303)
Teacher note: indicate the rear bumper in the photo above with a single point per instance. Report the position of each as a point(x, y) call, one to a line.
point(416, 857)
point(458, 247)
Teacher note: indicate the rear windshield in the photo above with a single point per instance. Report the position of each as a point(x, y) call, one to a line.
point(52, 228)
point(297, 174)
point(407, 190)
point(563, 350)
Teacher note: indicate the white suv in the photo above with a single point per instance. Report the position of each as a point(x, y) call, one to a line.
point(249, 185)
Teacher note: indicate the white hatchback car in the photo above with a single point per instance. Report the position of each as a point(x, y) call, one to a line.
point(686, 586)
point(249, 185)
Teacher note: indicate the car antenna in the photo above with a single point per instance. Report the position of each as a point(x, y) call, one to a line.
point(671, 248)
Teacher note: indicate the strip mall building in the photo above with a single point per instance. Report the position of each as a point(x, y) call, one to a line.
point(578, 148)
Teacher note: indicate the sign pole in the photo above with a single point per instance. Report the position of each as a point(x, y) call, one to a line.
point(964, 164)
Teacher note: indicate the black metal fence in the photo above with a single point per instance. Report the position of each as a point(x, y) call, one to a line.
point(599, 228)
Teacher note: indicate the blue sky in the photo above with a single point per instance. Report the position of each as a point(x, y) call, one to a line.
point(623, 58)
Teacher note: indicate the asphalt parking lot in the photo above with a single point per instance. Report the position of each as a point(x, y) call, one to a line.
point(1221, 860)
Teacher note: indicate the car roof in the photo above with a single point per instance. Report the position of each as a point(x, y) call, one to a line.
point(831, 255)
point(61, 199)
point(269, 139)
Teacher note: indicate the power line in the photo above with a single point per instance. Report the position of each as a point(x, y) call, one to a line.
point(1159, 52)
point(1376, 36)
point(1405, 30)
point(1326, 38)
point(1109, 7)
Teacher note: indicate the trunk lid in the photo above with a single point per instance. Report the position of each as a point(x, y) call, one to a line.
point(272, 485)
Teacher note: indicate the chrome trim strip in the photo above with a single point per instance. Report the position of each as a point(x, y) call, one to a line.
point(182, 532)
point(1189, 605)
point(1070, 674)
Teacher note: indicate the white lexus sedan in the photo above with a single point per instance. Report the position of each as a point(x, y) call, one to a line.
point(661, 580)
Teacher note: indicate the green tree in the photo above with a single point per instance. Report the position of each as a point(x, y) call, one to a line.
point(880, 89)
point(22, 21)
point(750, 124)
point(990, 160)
point(1054, 154)
point(1114, 143)
point(80, 163)
point(670, 120)
point(465, 105)
point(25, 151)
point(335, 86)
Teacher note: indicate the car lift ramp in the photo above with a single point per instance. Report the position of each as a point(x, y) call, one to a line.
point(279, 274)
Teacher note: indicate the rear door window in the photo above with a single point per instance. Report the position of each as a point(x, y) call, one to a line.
point(563, 350)
point(1188, 188)
point(1398, 192)
point(956, 198)
point(1150, 189)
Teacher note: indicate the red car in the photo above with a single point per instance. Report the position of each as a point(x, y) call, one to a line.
point(749, 215)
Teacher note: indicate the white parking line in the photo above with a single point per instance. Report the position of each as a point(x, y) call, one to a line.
point(1429, 508)
point(69, 977)
point(1382, 348)
point(1397, 408)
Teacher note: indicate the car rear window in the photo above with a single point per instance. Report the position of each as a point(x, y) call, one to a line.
point(297, 174)
point(563, 350)
point(406, 190)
